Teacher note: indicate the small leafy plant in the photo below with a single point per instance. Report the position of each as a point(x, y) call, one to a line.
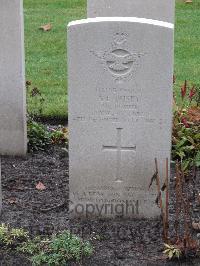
point(11, 237)
point(56, 250)
point(172, 252)
point(31, 246)
point(186, 145)
point(62, 248)
point(59, 135)
point(186, 129)
point(38, 136)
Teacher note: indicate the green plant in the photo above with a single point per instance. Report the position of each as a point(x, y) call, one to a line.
point(186, 129)
point(56, 250)
point(31, 246)
point(172, 251)
point(11, 237)
point(62, 248)
point(59, 135)
point(186, 145)
point(39, 138)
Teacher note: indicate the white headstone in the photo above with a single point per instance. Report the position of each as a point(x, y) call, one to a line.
point(153, 9)
point(12, 82)
point(120, 114)
point(0, 188)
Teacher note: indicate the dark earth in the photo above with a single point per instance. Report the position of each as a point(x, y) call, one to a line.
point(116, 242)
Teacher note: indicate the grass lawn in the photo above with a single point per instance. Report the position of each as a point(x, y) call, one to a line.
point(187, 42)
point(46, 55)
point(46, 65)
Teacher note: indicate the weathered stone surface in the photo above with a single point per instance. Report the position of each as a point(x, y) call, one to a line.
point(12, 82)
point(153, 9)
point(0, 189)
point(120, 114)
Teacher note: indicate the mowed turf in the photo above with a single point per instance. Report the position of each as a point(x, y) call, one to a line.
point(46, 59)
point(46, 55)
point(187, 42)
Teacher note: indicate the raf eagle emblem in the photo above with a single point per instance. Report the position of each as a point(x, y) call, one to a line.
point(118, 60)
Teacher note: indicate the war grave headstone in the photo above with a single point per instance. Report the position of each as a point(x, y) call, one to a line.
point(13, 140)
point(120, 114)
point(153, 9)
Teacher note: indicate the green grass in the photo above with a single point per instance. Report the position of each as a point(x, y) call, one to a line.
point(46, 65)
point(46, 55)
point(187, 42)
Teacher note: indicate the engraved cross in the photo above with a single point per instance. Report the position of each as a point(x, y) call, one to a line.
point(119, 149)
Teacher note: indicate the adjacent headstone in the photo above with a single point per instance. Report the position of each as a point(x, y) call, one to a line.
point(162, 10)
point(0, 189)
point(12, 82)
point(120, 114)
